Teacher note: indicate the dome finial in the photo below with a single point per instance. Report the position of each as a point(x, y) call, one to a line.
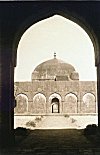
point(54, 55)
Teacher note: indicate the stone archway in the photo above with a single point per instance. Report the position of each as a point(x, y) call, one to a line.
point(78, 20)
point(11, 32)
point(55, 105)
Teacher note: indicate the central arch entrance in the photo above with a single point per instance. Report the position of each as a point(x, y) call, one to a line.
point(55, 105)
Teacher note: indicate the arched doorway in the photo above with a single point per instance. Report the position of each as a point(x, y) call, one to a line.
point(55, 105)
point(34, 13)
point(78, 20)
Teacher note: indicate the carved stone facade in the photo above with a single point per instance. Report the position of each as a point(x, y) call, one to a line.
point(55, 89)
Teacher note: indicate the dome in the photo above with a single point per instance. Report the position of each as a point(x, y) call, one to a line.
point(53, 69)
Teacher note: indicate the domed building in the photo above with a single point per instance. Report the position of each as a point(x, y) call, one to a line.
point(55, 70)
point(55, 89)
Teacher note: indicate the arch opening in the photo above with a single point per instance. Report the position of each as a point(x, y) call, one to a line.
point(68, 15)
point(57, 35)
point(55, 105)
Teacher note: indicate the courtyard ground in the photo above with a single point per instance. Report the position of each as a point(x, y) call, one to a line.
point(55, 121)
point(47, 136)
point(53, 142)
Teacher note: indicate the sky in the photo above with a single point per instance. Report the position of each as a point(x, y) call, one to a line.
point(62, 36)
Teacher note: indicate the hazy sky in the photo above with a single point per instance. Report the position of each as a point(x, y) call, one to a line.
point(55, 34)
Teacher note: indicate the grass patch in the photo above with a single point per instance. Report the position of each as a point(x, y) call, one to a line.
point(31, 124)
point(73, 120)
point(66, 115)
point(37, 119)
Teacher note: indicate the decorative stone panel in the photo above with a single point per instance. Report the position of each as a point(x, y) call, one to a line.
point(21, 103)
point(89, 103)
point(39, 104)
point(70, 104)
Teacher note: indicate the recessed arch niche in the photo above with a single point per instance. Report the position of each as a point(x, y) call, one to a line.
point(39, 103)
point(70, 104)
point(21, 103)
point(89, 103)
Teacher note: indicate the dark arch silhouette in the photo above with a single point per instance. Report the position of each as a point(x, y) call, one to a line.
point(15, 21)
point(68, 15)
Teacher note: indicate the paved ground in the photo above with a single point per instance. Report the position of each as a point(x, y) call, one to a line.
point(56, 152)
point(54, 142)
point(80, 121)
point(57, 122)
point(50, 138)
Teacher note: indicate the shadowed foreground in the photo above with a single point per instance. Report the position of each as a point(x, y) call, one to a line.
point(53, 142)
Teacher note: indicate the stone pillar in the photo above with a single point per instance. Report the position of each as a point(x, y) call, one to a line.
point(6, 100)
point(62, 104)
point(79, 101)
point(98, 92)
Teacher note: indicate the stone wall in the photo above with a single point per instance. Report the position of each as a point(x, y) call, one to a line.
point(76, 96)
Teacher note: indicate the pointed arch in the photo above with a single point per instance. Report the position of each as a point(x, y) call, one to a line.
point(55, 103)
point(39, 103)
point(89, 103)
point(21, 103)
point(70, 104)
point(76, 18)
point(54, 95)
